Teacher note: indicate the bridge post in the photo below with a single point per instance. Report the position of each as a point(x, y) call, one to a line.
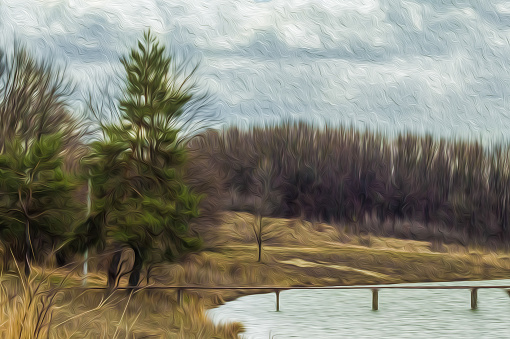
point(375, 299)
point(277, 300)
point(474, 298)
point(179, 297)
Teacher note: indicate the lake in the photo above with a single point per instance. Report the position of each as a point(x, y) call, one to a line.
point(348, 314)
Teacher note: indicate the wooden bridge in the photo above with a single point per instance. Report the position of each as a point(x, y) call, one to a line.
point(277, 289)
point(375, 290)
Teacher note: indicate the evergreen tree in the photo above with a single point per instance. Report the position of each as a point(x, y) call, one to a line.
point(37, 209)
point(139, 196)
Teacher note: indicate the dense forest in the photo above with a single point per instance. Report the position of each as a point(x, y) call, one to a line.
point(415, 187)
point(145, 186)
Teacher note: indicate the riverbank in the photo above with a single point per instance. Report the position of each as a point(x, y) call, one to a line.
point(295, 253)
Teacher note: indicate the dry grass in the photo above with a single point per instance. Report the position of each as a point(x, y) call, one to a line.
point(27, 304)
point(32, 309)
point(294, 253)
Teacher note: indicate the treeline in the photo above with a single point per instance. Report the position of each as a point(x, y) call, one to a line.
point(411, 187)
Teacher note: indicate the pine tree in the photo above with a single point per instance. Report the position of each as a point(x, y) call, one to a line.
point(139, 195)
point(37, 209)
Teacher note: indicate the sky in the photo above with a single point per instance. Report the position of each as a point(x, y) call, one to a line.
point(440, 67)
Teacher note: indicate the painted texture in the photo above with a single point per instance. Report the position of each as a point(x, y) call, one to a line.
point(425, 66)
point(291, 203)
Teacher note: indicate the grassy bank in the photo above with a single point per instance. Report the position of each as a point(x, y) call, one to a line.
point(294, 253)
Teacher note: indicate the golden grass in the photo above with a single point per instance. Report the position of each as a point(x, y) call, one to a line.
point(294, 253)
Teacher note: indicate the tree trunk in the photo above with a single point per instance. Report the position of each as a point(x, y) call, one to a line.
point(260, 250)
point(113, 269)
point(259, 240)
point(28, 249)
point(61, 258)
point(148, 275)
point(134, 277)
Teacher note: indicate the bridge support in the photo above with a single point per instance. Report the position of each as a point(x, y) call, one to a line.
point(375, 299)
point(277, 300)
point(179, 297)
point(474, 298)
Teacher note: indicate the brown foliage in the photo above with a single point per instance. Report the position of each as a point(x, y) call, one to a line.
point(456, 190)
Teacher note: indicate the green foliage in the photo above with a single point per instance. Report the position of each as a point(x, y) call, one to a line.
point(37, 209)
point(154, 97)
point(140, 199)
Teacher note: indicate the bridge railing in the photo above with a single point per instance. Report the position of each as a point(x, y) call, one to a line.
point(277, 289)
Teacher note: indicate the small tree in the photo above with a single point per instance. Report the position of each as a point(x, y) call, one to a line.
point(36, 203)
point(267, 197)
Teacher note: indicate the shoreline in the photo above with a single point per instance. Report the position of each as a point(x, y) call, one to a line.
point(295, 253)
point(233, 298)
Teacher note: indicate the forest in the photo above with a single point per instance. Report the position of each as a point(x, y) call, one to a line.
point(446, 190)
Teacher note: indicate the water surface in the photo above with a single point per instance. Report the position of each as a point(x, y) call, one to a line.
point(347, 313)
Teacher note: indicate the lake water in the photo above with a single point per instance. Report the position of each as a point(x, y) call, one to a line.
point(348, 313)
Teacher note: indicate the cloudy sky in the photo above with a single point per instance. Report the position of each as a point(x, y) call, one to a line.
point(391, 65)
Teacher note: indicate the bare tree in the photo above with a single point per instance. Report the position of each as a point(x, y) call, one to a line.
point(267, 195)
point(34, 98)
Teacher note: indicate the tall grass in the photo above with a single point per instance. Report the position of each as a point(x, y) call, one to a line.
point(53, 304)
point(27, 306)
point(40, 306)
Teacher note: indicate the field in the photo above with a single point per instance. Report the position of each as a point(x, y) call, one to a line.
point(294, 253)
